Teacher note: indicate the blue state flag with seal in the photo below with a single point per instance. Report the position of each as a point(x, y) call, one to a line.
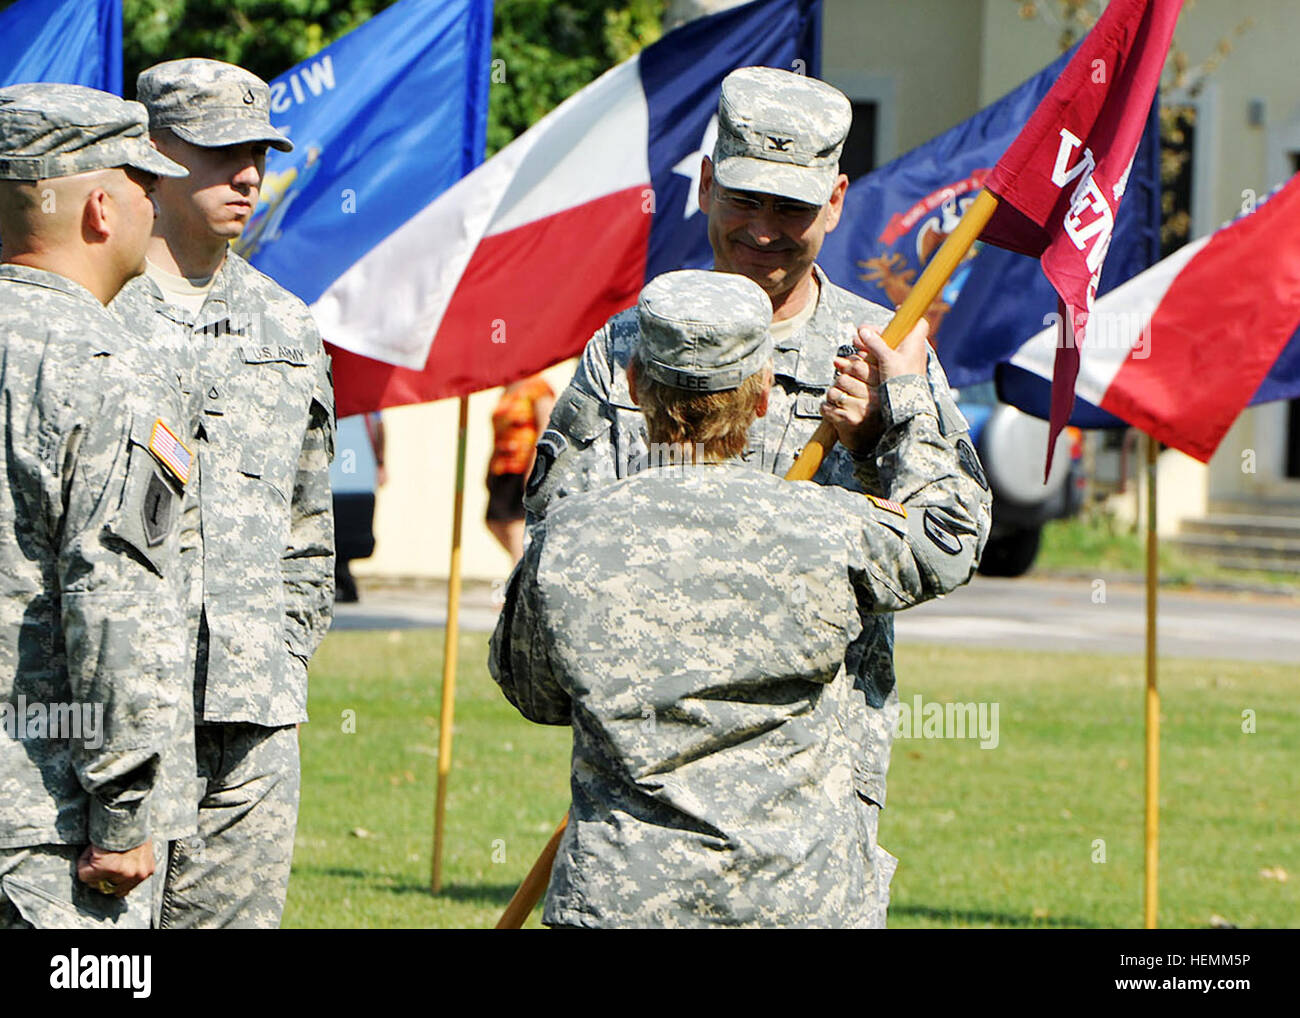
point(382, 121)
point(73, 42)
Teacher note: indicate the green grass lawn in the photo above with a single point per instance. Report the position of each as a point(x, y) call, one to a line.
point(1002, 837)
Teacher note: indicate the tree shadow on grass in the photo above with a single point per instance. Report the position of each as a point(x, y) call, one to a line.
point(499, 895)
point(487, 894)
point(952, 916)
point(482, 894)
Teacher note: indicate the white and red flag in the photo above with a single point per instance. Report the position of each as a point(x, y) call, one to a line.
point(1181, 349)
point(1060, 183)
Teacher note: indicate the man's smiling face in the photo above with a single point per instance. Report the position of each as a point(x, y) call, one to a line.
point(772, 240)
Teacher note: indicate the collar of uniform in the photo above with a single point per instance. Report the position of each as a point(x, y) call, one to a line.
point(216, 308)
point(623, 332)
point(793, 341)
point(734, 463)
point(171, 311)
point(49, 280)
point(799, 356)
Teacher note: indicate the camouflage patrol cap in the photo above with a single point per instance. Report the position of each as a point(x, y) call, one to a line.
point(49, 131)
point(780, 133)
point(209, 103)
point(703, 331)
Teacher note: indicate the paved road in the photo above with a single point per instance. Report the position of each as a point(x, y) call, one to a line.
point(1028, 614)
point(1033, 614)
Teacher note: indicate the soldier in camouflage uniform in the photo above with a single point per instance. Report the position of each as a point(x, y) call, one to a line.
point(262, 416)
point(96, 728)
point(692, 622)
point(772, 191)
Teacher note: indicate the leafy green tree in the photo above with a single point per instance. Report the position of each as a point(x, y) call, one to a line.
point(266, 36)
point(545, 50)
point(542, 50)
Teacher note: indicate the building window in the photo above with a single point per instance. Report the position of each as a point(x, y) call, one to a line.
point(859, 155)
point(1293, 439)
point(1177, 145)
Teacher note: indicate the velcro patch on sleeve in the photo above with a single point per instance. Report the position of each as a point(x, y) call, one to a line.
point(550, 446)
point(888, 506)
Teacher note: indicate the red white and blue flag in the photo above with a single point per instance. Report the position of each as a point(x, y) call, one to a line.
point(171, 451)
point(512, 268)
point(1060, 183)
point(1181, 349)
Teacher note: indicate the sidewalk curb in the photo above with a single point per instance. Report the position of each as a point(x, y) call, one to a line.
point(1139, 579)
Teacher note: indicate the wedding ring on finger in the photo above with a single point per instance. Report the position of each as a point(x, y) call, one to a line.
point(105, 887)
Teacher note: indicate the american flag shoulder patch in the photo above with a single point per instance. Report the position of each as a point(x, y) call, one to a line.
point(171, 451)
point(888, 506)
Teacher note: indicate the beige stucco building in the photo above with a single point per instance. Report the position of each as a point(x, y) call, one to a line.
point(926, 65)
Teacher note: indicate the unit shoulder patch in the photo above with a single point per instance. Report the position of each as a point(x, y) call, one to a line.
point(156, 511)
point(940, 533)
point(549, 448)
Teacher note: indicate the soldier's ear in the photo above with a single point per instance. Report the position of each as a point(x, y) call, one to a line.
point(96, 216)
point(164, 141)
point(760, 407)
point(706, 184)
point(836, 202)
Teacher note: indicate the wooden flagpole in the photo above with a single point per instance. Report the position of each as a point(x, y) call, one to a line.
point(450, 646)
point(534, 886)
point(918, 301)
point(1150, 885)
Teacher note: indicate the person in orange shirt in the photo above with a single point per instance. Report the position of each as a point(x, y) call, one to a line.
point(519, 418)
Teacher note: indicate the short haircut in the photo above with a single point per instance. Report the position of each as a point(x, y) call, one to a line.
point(716, 424)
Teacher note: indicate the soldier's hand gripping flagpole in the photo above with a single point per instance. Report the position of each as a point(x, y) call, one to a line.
point(913, 308)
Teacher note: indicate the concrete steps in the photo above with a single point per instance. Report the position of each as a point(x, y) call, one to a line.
point(1267, 541)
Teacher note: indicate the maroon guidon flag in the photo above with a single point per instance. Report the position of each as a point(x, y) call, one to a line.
point(1060, 183)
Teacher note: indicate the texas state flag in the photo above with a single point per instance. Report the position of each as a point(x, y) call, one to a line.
point(513, 268)
point(1181, 349)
